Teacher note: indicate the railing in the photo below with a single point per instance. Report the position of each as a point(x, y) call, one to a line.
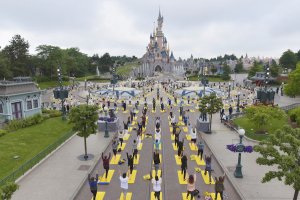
point(289, 107)
point(36, 159)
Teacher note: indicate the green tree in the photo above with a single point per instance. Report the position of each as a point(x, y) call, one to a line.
point(262, 115)
point(288, 60)
point(210, 104)
point(105, 63)
point(5, 71)
point(239, 67)
point(298, 55)
point(282, 149)
point(274, 69)
point(256, 67)
point(84, 119)
point(226, 72)
point(7, 191)
point(17, 53)
point(213, 70)
point(292, 88)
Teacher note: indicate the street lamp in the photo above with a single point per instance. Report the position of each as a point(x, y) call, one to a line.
point(238, 103)
point(61, 93)
point(229, 87)
point(239, 148)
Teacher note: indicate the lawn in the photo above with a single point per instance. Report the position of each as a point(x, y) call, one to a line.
point(210, 79)
point(251, 128)
point(28, 142)
point(52, 84)
point(126, 69)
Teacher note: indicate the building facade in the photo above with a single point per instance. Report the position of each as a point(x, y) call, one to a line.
point(19, 99)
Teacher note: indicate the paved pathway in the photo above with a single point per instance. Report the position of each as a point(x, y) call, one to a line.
point(171, 187)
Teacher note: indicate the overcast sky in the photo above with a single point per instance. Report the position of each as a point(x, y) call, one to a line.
point(204, 28)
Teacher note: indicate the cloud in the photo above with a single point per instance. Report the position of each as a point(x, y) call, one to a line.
point(205, 28)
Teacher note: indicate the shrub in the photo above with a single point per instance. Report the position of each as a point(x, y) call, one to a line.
point(14, 125)
point(51, 113)
point(294, 115)
point(3, 132)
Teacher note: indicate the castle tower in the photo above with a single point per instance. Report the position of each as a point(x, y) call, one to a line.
point(159, 33)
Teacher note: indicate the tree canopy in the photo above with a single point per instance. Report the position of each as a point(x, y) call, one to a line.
point(282, 150)
point(226, 72)
point(256, 67)
point(288, 59)
point(292, 88)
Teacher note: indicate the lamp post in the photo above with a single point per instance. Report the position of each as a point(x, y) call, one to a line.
point(60, 92)
point(88, 97)
point(229, 87)
point(238, 103)
point(239, 148)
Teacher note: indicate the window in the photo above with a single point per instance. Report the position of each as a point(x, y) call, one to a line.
point(35, 103)
point(1, 108)
point(29, 105)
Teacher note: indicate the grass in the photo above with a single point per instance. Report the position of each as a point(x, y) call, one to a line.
point(126, 69)
point(210, 79)
point(251, 128)
point(28, 142)
point(93, 78)
point(52, 84)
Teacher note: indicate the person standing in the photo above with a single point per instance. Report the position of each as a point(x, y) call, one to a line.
point(130, 162)
point(156, 144)
point(156, 161)
point(162, 106)
point(230, 110)
point(121, 136)
point(176, 131)
point(134, 149)
point(183, 165)
point(191, 186)
point(153, 104)
point(200, 146)
point(156, 185)
point(180, 147)
point(193, 135)
point(219, 186)
point(144, 121)
point(124, 183)
point(208, 167)
point(105, 161)
point(115, 147)
point(158, 134)
point(222, 113)
point(93, 185)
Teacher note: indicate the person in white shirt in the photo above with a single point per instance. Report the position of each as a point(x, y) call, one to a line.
point(124, 183)
point(121, 136)
point(156, 181)
point(158, 134)
point(193, 135)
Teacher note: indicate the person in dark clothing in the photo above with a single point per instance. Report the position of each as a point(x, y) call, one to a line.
point(219, 186)
point(115, 147)
point(230, 110)
point(140, 126)
point(183, 165)
point(222, 113)
point(105, 161)
point(134, 149)
point(131, 116)
point(153, 104)
point(144, 121)
point(125, 127)
point(93, 185)
point(180, 147)
point(208, 167)
point(130, 162)
point(162, 106)
point(200, 146)
point(156, 161)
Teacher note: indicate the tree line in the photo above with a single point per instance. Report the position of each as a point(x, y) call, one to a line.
point(15, 60)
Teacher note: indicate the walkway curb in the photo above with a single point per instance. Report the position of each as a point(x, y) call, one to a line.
point(225, 170)
point(89, 171)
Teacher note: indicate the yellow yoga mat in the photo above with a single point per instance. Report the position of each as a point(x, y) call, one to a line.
point(144, 129)
point(171, 129)
point(174, 147)
point(192, 110)
point(140, 147)
point(99, 196)
point(181, 124)
point(115, 159)
point(153, 198)
point(162, 111)
point(200, 162)
point(193, 147)
point(178, 160)
point(188, 137)
point(132, 176)
point(136, 160)
point(109, 176)
point(184, 196)
point(160, 158)
point(158, 173)
point(206, 178)
point(172, 137)
point(123, 146)
point(159, 146)
point(133, 123)
point(128, 196)
point(126, 136)
point(185, 129)
point(126, 111)
point(129, 129)
point(153, 111)
point(180, 178)
point(180, 118)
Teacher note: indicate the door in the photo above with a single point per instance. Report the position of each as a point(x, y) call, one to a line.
point(16, 109)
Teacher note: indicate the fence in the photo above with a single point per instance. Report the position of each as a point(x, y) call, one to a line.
point(290, 107)
point(32, 162)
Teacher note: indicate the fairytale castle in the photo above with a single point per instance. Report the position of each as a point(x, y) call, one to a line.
point(158, 57)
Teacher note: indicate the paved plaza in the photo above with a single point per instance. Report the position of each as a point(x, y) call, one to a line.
point(64, 176)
